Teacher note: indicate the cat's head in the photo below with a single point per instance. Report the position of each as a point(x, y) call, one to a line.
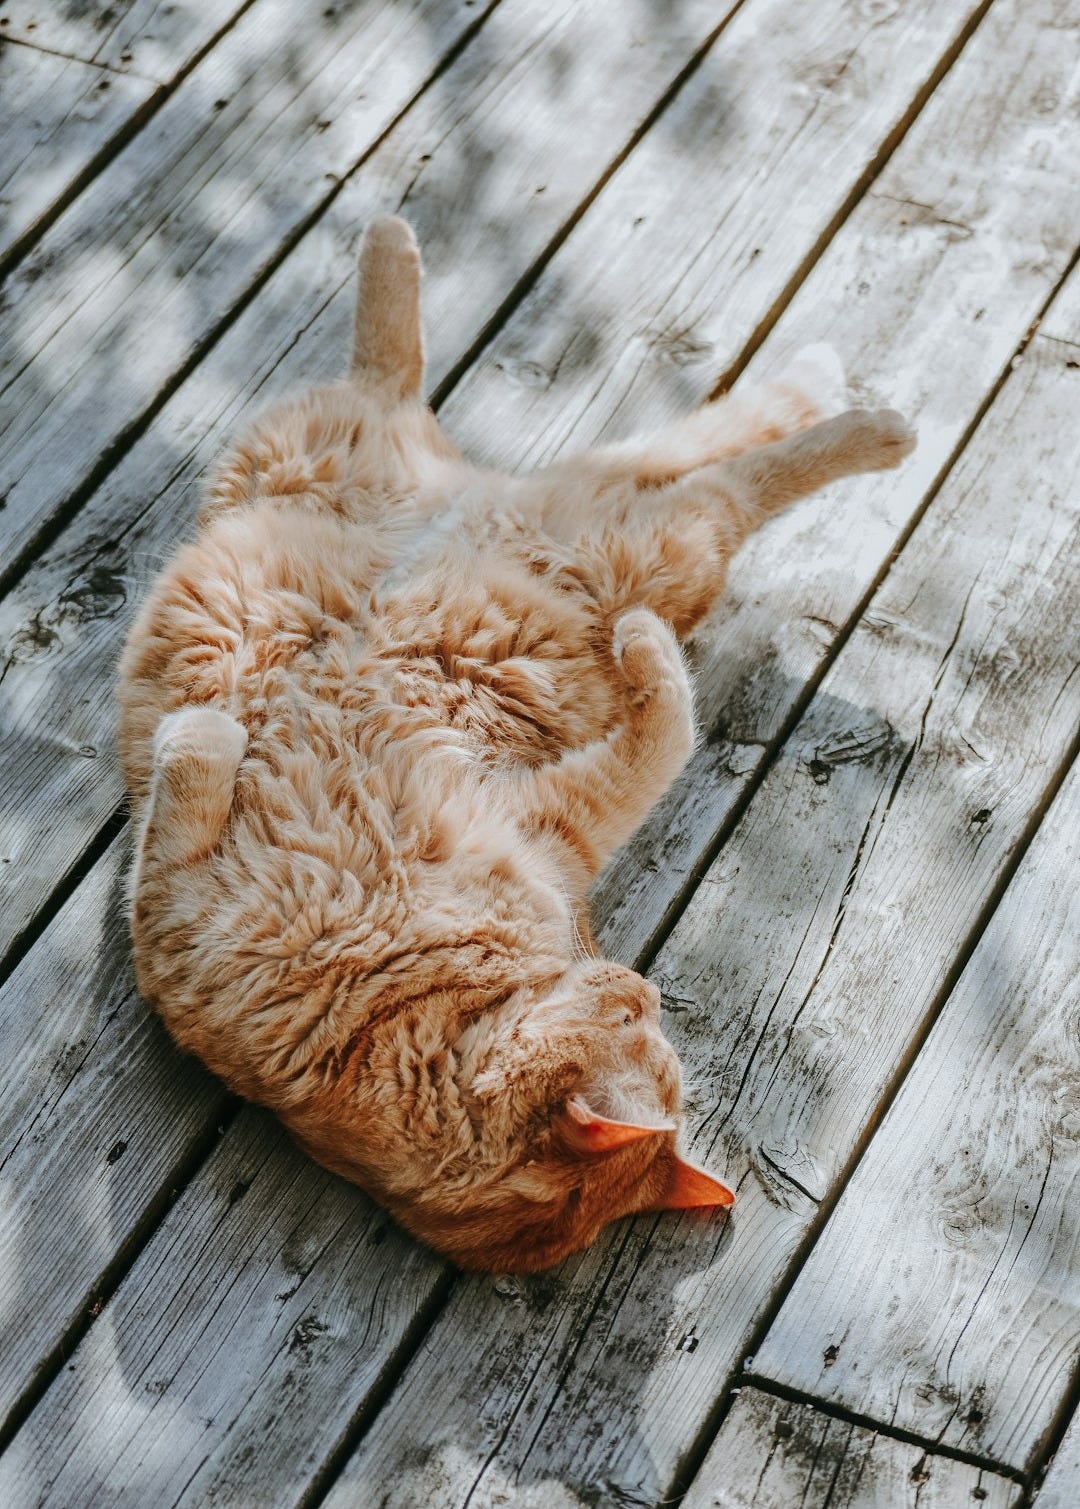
point(575, 1109)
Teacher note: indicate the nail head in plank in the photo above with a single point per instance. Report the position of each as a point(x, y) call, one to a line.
point(154, 38)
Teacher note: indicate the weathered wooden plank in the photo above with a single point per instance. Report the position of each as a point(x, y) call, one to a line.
point(1006, 159)
point(488, 136)
point(98, 1116)
point(459, 303)
point(59, 118)
point(1061, 1487)
point(207, 1381)
point(71, 398)
point(772, 1454)
point(132, 280)
point(795, 980)
point(969, 227)
point(749, 172)
point(154, 38)
point(944, 1294)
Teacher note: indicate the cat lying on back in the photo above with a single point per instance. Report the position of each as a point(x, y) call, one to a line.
point(384, 722)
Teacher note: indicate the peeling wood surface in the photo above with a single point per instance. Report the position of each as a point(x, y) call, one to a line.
point(944, 1294)
point(59, 116)
point(795, 979)
point(789, 1454)
point(616, 205)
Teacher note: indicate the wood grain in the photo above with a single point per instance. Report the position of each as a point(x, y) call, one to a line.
point(772, 1454)
point(99, 1117)
point(795, 980)
point(270, 1290)
point(944, 1293)
point(153, 38)
point(60, 117)
point(489, 134)
point(1061, 1487)
point(513, 98)
point(926, 292)
point(132, 280)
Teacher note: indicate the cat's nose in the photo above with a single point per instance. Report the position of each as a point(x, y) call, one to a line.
point(652, 1000)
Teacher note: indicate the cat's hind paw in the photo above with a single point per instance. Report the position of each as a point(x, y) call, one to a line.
point(878, 439)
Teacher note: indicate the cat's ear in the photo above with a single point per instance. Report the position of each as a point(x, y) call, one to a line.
point(691, 1188)
point(388, 348)
point(589, 1132)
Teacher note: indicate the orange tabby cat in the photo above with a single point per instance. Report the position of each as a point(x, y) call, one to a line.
point(383, 723)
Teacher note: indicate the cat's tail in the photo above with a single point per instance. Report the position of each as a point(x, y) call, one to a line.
point(388, 348)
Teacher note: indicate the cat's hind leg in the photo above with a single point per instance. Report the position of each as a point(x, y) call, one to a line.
point(594, 798)
point(751, 487)
point(197, 753)
point(809, 389)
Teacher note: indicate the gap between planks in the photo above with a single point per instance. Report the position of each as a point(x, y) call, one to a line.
point(23, 557)
point(139, 117)
point(747, 1378)
point(799, 706)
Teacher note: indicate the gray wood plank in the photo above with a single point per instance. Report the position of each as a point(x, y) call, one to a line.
point(489, 137)
point(1061, 1486)
point(196, 206)
point(796, 978)
point(970, 225)
point(531, 49)
point(59, 118)
point(154, 38)
point(538, 1296)
point(99, 1116)
point(772, 1454)
point(790, 590)
point(944, 1294)
point(132, 280)
point(229, 1379)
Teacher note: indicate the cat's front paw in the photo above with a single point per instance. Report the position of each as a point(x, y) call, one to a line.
point(648, 655)
point(203, 731)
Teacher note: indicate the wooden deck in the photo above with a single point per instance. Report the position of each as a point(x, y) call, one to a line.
point(861, 901)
